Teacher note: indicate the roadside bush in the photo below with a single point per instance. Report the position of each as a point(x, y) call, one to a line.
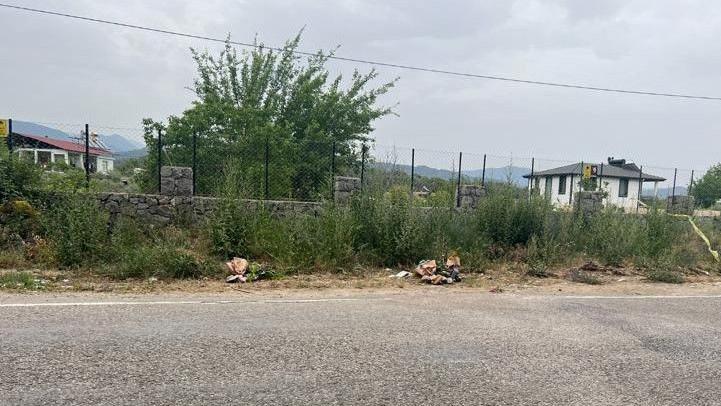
point(77, 230)
point(160, 261)
point(508, 221)
point(18, 179)
point(665, 276)
point(18, 280)
point(391, 233)
point(584, 277)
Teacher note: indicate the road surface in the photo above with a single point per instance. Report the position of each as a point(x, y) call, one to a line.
point(371, 349)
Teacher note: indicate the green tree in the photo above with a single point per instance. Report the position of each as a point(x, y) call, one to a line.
point(707, 190)
point(293, 103)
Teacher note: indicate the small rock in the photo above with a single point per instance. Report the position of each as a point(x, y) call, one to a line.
point(152, 279)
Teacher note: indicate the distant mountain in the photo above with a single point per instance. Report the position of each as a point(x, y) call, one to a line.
point(503, 174)
point(126, 155)
point(119, 144)
point(665, 192)
point(116, 143)
point(25, 127)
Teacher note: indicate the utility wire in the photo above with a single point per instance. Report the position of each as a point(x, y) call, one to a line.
point(364, 61)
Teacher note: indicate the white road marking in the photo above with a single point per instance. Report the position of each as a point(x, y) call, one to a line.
point(176, 302)
point(639, 297)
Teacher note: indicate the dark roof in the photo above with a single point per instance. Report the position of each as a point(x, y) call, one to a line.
point(63, 144)
point(628, 171)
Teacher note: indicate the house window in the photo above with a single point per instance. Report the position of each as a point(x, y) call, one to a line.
point(623, 188)
point(537, 183)
point(562, 185)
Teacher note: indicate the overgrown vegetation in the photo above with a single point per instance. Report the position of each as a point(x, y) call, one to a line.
point(376, 229)
point(707, 190)
point(271, 103)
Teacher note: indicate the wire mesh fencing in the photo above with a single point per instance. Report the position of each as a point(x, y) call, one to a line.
point(304, 170)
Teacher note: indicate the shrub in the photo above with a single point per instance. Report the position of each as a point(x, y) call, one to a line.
point(665, 276)
point(78, 231)
point(18, 179)
point(584, 277)
point(160, 261)
point(509, 221)
point(19, 221)
point(18, 280)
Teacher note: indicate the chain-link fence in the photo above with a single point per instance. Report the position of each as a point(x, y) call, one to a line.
point(304, 170)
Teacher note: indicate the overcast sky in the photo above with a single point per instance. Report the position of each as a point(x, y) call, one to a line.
point(60, 70)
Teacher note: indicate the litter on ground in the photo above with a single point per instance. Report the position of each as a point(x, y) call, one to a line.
point(242, 271)
point(430, 273)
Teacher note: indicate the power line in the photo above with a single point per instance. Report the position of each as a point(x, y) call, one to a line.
point(364, 61)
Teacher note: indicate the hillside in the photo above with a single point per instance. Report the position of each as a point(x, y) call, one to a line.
point(502, 174)
point(115, 142)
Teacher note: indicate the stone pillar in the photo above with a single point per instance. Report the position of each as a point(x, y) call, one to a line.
point(176, 181)
point(589, 201)
point(344, 188)
point(680, 204)
point(470, 195)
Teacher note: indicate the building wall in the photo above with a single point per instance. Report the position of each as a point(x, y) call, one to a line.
point(105, 165)
point(610, 185)
point(59, 155)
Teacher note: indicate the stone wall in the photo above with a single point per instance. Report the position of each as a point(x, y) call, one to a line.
point(176, 181)
point(344, 188)
point(160, 210)
point(470, 195)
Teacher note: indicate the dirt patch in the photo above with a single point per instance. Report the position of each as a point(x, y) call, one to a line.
point(503, 280)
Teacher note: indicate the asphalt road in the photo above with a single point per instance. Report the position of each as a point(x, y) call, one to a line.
point(417, 348)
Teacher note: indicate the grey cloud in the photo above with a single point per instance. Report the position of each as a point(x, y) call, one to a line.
point(69, 71)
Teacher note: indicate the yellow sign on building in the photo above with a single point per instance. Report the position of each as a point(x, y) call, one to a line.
point(587, 171)
point(4, 127)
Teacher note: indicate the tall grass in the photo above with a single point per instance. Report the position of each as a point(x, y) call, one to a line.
point(385, 229)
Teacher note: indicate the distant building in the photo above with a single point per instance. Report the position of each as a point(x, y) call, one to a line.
point(619, 179)
point(45, 151)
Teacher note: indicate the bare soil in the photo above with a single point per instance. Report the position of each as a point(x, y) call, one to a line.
point(609, 282)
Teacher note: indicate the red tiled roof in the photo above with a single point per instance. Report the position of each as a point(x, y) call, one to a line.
point(67, 145)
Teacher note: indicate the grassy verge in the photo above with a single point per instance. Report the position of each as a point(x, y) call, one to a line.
point(372, 232)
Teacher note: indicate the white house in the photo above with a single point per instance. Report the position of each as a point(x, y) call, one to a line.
point(44, 151)
point(619, 179)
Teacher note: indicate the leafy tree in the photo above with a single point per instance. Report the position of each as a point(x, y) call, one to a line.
point(707, 190)
point(264, 95)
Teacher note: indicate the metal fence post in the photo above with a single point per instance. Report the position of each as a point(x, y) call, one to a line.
point(483, 172)
point(570, 187)
point(332, 173)
point(87, 156)
point(413, 169)
point(160, 155)
point(10, 138)
point(364, 149)
point(530, 180)
point(690, 184)
point(640, 188)
point(458, 185)
point(195, 160)
point(673, 189)
point(267, 170)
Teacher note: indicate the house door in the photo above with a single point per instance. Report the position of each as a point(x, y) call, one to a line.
point(548, 188)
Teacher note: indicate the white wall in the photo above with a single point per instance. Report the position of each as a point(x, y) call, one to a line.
point(610, 185)
point(103, 162)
